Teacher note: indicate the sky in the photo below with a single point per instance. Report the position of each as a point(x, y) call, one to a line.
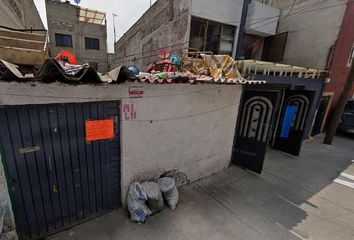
point(128, 11)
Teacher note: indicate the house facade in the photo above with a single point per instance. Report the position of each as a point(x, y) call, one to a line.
point(178, 25)
point(79, 30)
point(316, 34)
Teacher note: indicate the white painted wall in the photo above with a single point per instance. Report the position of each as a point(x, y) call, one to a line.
point(262, 19)
point(178, 126)
point(224, 11)
point(311, 34)
point(189, 128)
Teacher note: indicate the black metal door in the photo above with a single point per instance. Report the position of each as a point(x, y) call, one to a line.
point(255, 118)
point(56, 178)
point(293, 120)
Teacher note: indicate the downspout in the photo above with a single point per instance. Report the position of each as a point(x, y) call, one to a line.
point(241, 33)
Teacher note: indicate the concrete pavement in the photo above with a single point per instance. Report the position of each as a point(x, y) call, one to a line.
point(294, 198)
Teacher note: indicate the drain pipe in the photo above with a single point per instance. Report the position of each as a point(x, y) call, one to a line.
point(241, 32)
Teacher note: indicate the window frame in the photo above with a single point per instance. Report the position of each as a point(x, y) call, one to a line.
point(221, 36)
point(63, 41)
point(92, 45)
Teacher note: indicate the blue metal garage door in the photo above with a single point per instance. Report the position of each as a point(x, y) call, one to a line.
point(55, 176)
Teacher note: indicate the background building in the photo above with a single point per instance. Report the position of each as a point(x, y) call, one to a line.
point(181, 24)
point(79, 30)
point(319, 34)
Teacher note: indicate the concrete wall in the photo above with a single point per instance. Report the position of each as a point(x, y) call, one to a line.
point(223, 11)
point(177, 126)
point(262, 19)
point(165, 25)
point(185, 127)
point(312, 28)
point(62, 18)
point(20, 14)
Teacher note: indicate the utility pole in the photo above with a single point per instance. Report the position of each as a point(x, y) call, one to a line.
point(150, 2)
point(242, 30)
point(333, 125)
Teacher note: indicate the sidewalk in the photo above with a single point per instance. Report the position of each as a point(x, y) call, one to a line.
point(294, 198)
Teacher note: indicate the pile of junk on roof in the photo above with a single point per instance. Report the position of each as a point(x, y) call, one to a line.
point(25, 58)
point(65, 68)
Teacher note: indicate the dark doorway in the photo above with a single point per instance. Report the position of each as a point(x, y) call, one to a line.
point(56, 178)
point(321, 114)
point(293, 119)
point(255, 119)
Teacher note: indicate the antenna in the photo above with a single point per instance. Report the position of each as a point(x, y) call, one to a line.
point(77, 2)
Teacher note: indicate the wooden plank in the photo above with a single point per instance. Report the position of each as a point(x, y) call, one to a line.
point(22, 56)
point(23, 35)
point(21, 43)
point(331, 94)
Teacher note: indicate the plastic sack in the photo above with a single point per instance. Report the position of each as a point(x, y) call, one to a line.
point(2, 213)
point(154, 196)
point(169, 191)
point(8, 236)
point(136, 199)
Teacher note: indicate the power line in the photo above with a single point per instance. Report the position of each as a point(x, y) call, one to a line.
point(267, 23)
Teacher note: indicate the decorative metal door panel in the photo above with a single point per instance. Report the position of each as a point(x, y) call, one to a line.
point(255, 118)
point(293, 121)
point(56, 178)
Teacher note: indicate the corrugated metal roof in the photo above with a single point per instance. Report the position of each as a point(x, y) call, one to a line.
point(53, 70)
point(193, 79)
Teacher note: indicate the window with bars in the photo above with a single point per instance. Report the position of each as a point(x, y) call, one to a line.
point(209, 36)
point(92, 43)
point(63, 40)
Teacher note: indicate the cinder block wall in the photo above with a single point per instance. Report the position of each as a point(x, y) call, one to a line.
point(20, 14)
point(165, 25)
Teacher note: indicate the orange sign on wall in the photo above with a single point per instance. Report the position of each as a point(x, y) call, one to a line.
point(99, 130)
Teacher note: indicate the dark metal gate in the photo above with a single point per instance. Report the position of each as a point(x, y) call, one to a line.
point(56, 178)
point(293, 119)
point(257, 110)
point(321, 115)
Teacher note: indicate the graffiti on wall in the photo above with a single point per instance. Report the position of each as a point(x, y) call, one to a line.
point(129, 112)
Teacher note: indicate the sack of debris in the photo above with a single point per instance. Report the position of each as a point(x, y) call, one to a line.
point(154, 196)
point(2, 214)
point(169, 191)
point(136, 199)
point(8, 235)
